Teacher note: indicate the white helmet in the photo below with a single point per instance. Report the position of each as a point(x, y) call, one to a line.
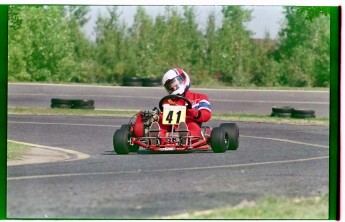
point(176, 81)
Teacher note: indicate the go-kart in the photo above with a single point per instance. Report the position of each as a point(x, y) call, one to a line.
point(219, 139)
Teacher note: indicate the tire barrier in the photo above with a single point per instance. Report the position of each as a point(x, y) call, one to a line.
point(288, 111)
point(72, 103)
point(132, 81)
point(282, 111)
point(303, 113)
point(151, 82)
point(63, 106)
point(137, 81)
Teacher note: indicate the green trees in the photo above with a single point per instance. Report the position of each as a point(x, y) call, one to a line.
point(210, 44)
point(79, 66)
point(304, 47)
point(110, 47)
point(46, 43)
point(14, 20)
point(264, 69)
point(44, 46)
point(143, 44)
point(233, 48)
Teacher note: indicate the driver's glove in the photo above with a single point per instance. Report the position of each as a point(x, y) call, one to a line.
point(193, 113)
point(156, 110)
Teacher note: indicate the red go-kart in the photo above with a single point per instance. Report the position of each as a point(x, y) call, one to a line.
point(219, 139)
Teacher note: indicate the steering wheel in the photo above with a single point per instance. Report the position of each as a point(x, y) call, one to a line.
point(189, 104)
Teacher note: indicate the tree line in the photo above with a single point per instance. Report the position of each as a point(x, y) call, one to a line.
point(47, 44)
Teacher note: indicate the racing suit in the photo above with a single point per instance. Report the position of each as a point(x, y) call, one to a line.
point(200, 112)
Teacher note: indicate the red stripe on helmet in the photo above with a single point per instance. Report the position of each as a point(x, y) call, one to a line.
point(178, 71)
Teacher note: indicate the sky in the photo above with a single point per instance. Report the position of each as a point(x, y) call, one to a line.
point(265, 18)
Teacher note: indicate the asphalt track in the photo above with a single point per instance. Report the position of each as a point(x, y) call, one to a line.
point(272, 159)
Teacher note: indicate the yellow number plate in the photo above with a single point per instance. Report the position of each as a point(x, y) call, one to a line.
point(173, 115)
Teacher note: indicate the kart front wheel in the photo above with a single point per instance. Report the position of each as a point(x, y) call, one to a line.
point(120, 141)
point(233, 133)
point(133, 148)
point(219, 140)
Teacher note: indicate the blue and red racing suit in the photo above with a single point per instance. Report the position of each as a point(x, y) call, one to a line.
point(200, 112)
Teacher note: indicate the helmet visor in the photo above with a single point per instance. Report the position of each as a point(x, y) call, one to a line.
point(173, 84)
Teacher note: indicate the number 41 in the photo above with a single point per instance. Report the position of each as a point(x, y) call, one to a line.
point(170, 117)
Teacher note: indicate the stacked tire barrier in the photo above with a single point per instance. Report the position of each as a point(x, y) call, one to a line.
point(288, 111)
point(152, 82)
point(72, 103)
point(132, 81)
point(303, 113)
point(283, 111)
point(137, 81)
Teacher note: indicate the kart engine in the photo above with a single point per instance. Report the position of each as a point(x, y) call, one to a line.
point(150, 116)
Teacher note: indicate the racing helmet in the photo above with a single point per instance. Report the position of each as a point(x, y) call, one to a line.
point(176, 81)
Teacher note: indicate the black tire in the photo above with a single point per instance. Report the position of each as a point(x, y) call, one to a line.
point(302, 116)
point(282, 109)
point(126, 126)
point(132, 81)
point(304, 111)
point(151, 82)
point(83, 107)
point(281, 114)
point(61, 101)
point(219, 140)
point(133, 148)
point(233, 134)
point(120, 141)
point(61, 106)
point(83, 102)
point(132, 84)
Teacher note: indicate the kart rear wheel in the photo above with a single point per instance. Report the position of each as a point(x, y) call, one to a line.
point(120, 141)
point(219, 140)
point(133, 148)
point(233, 133)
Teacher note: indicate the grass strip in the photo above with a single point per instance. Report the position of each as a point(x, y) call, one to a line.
point(270, 119)
point(15, 150)
point(73, 112)
point(267, 208)
point(130, 113)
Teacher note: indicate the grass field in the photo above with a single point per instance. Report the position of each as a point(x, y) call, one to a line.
point(15, 150)
point(267, 208)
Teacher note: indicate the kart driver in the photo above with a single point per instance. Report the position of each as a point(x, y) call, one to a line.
point(177, 82)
